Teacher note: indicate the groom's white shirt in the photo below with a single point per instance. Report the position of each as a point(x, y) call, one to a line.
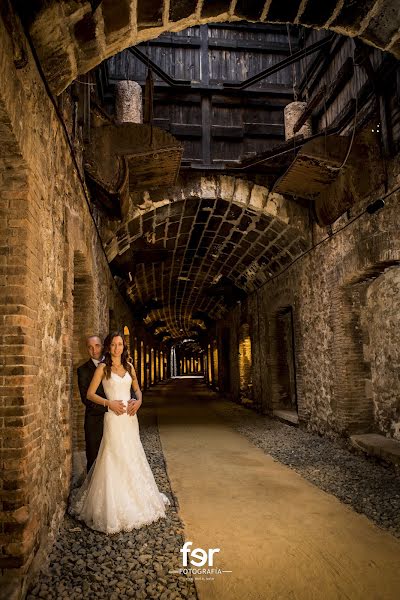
point(97, 362)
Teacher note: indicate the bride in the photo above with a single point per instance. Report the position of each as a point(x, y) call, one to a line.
point(119, 492)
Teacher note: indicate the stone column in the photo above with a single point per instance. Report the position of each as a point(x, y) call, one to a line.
point(292, 113)
point(128, 102)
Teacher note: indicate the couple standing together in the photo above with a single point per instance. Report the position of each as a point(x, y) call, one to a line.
point(119, 492)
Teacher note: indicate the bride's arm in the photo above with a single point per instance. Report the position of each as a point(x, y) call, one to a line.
point(116, 405)
point(135, 385)
point(134, 405)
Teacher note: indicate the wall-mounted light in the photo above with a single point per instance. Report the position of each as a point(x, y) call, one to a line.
point(375, 206)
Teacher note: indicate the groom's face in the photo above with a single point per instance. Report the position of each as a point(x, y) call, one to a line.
point(95, 347)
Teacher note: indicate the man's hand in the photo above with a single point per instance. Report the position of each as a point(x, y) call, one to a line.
point(117, 406)
point(133, 406)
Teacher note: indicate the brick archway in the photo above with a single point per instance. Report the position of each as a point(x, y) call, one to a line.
point(80, 38)
point(242, 193)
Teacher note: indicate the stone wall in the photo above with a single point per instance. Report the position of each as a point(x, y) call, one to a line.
point(346, 318)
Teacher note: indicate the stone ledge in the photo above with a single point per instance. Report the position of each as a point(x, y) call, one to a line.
point(378, 445)
point(288, 416)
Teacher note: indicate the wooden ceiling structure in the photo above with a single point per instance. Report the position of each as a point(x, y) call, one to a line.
point(220, 91)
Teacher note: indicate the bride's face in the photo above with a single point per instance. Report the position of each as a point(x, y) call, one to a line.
point(116, 346)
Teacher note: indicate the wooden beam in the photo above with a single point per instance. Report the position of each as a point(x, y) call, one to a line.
point(206, 99)
point(172, 41)
point(264, 130)
point(251, 46)
point(344, 75)
point(246, 26)
point(312, 76)
point(185, 130)
point(227, 131)
point(309, 109)
point(282, 64)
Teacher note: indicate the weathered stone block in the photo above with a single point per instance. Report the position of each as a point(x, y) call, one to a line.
point(283, 11)
point(208, 187)
point(242, 191)
point(249, 10)
point(116, 15)
point(384, 24)
point(181, 9)
point(128, 107)
point(149, 12)
point(351, 15)
point(317, 13)
point(258, 197)
point(292, 113)
point(213, 8)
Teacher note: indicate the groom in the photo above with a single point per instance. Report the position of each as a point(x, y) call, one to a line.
point(94, 413)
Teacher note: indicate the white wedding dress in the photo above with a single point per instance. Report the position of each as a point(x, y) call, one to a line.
point(119, 492)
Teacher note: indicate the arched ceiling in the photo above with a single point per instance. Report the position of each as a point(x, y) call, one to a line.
point(71, 37)
point(189, 258)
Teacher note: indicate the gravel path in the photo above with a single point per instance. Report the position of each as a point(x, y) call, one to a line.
point(369, 487)
point(89, 564)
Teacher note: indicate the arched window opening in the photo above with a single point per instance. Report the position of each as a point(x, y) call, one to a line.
point(215, 363)
point(286, 369)
point(152, 366)
point(142, 365)
point(127, 338)
point(245, 365)
point(135, 354)
point(148, 373)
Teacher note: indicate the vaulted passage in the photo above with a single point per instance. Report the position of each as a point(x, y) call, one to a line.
point(219, 183)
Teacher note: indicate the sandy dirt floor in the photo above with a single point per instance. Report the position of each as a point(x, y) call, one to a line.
point(279, 536)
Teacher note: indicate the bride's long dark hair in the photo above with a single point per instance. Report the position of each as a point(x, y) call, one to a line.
point(107, 354)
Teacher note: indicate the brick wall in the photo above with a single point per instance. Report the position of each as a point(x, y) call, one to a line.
point(56, 288)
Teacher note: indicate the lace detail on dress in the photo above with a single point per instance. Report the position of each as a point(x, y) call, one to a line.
point(119, 492)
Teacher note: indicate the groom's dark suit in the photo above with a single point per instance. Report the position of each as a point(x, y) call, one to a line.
point(94, 413)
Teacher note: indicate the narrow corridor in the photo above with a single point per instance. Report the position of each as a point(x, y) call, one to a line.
point(278, 534)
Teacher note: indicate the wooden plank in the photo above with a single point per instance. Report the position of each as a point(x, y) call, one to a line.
point(250, 46)
point(238, 102)
point(227, 131)
point(264, 130)
point(205, 100)
point(247, 26)
point(185, 129)
point(171, 41)
point(344, 75)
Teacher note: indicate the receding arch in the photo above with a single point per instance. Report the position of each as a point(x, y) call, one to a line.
point(215, 230)
point(375, 22)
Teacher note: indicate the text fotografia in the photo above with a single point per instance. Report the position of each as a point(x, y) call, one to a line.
point(212, 571)
point(199, 558)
